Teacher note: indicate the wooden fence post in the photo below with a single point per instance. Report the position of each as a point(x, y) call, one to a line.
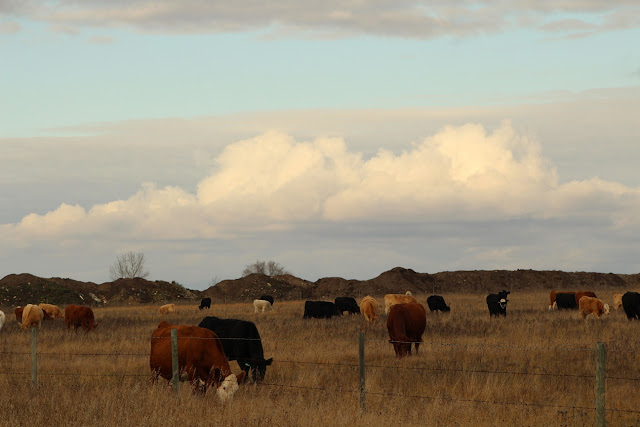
point(174, 360)
point(34, 357)
point(601, 412)
point(362, 371)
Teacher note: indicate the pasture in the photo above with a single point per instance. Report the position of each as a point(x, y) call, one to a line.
point(533, 367)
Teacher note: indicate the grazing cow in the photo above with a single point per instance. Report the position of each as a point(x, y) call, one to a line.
point(406, 324)
point(347, 304)
point(2, 319)
point(391, 299)
point(581, 294)
point(436, 303)
point(497, 303)
point(320, 309)
point(553, 296)
point(79, 315)
point(566, 301)
point(631, 305)
point(267, 298)
point(260, 305)
point(201, 360)
point(167, 308)
point(31, 316)
point(18, 312)
point(241, 342)
point(205, 303)
point(617, 301)
point(369, 309)
point(52, 310)
point(590, 305)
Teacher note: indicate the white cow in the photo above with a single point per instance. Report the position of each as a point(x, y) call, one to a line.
point(260, 305)
point(2, 318)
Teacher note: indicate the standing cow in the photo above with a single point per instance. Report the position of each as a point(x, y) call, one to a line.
point(590, 305)
point(320, 310)
point(566, 301)
point(260, 305)
point(631, 305)
point(406, 324)
point(167, 309)
point(31, 316)
point(347, 304)
point(79, 316)
point(205, 303)
point(391, 299)
point(369, 309)
point(497, 303)
point(436, 303)
point(52, 310)
point(617, 301)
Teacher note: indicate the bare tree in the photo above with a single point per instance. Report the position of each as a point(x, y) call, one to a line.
point(270, 268)
point(128, 266)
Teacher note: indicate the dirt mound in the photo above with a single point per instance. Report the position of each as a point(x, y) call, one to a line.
point(248, 288)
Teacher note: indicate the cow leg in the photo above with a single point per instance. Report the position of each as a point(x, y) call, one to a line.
point(417, 346)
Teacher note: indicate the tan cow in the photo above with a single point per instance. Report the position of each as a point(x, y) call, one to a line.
point(52, 310)
point(369, 309)
point(167, 308)
point(260, 305)
point(617, 301)
point(31, 316)
point(391, 299)
point(590, 305)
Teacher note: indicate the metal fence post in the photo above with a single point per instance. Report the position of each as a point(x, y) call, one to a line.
point(34, 356)
point(362, 371)
point(601, 357)
point(174, 360)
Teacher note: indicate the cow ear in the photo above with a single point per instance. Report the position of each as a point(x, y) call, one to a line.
point(268, 361)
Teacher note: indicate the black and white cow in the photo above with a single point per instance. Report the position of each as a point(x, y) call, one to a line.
point(241, 342)
point(267, 298)
point(205, 303)
point(631, 305)
point(566, 301)
point(497, 303)
point(347, 304)
point(436, 303)
point(320, 309)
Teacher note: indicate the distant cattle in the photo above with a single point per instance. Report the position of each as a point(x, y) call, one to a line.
point(2, 319)
point(631, 305)
point(566, 301)
point(391, 299)
point(52, 310)
point(241, 342)
point(31, 316)
point(617, 301)
point(581, 294)
point(369, 309)
point(260, 305)
point(436, 303)
point(406, 324)
point(79, 316)
point(497, 303)
point(320, 309)
point(347, 304)
point(167, 308)
point(590, 305)
point(267, 298)
point(205, 303)
point(201, 360)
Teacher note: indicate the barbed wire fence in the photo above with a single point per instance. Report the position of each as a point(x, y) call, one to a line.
point(599, 408)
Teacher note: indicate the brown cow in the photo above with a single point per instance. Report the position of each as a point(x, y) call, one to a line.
point(581, 294)
point(18, 312)
point(52, 310)
point(590, 305)
point(78, 315)
point(552, 298)
point(31, 316)
point(369, 309)
point(617, 301)
point(406, 324)
point(201, 359)
point(167, 308)
point(391, 299)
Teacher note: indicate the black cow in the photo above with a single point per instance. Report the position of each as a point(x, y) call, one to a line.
point(566, 301)
point(497, 303)
point(320, 309)
point(205, 303)
point(436, 303)
point(267, 298)
point(241, 342)
point(347, 304)
point(631, 305)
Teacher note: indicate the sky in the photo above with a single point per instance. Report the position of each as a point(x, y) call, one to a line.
point(335, 138)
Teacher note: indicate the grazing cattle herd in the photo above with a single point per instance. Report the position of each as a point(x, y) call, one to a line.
point(205, 350)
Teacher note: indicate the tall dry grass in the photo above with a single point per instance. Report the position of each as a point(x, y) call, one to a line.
point(471, 370)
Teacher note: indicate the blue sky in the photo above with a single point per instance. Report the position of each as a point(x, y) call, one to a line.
point(522, 115)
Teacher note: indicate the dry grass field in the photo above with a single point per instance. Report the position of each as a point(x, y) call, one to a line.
point(533, 367)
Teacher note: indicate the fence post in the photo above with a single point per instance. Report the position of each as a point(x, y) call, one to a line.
point(34, 356)
point(362, 371)
point(174, 360)
point(601, 357)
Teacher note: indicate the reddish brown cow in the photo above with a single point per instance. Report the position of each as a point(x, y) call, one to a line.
point(406, 324)
point(78, 315)
point(581, 294)
point(201, 359)
point(18, 311)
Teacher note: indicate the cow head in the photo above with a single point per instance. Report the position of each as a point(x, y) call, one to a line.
point(605, 309)
point(227, 388)
point(503, 303)
point(260, 370)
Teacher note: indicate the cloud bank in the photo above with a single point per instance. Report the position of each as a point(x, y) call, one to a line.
point(273, 182)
